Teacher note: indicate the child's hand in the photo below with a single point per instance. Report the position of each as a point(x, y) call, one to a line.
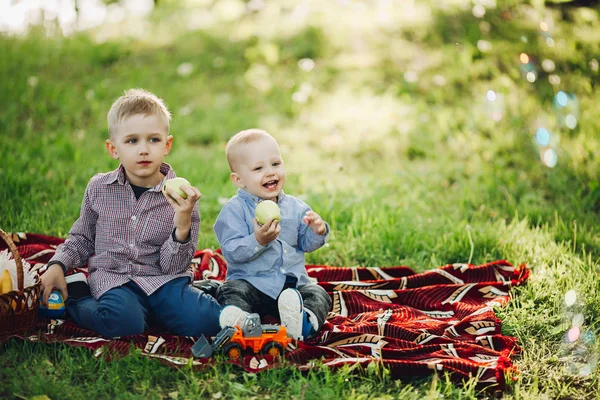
point(183, 209)
point(315, 222)
point(268, 232)
point(53, 278)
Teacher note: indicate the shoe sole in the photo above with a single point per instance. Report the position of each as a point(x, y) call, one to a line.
point(232, 316)
point(291, 312)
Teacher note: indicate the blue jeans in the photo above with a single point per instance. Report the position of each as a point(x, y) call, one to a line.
point(176, 306)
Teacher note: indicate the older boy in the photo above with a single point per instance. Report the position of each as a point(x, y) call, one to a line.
point(137, 241)
point(266, 269)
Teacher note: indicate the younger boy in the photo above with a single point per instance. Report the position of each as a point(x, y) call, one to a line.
point(137, 241)
point(265, 264)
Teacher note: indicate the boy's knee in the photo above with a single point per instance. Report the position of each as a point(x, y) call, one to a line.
point(234, 293)
point(115, 324)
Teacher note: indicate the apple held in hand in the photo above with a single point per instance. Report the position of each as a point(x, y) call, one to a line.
point(266, 210)
point(175, 185)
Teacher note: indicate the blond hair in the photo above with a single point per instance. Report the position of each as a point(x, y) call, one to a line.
point(243, 137)
point(135, 102)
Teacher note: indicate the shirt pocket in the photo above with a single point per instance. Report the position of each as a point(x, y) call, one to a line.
point(289, 231)
point(156, 231)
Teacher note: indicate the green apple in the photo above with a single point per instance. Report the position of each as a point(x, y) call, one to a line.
point(266, 210)
point(175, 184)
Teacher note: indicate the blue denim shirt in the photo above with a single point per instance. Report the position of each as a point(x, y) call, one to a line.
point(266, 267)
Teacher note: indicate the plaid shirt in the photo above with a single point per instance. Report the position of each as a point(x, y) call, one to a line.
point(123, 239)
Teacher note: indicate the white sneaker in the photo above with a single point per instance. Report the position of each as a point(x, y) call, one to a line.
point(291, 312)
point(232, 316)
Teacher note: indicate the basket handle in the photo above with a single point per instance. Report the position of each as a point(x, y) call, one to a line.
point(13, 249)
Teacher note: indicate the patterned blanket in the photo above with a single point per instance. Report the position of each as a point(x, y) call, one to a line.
point(411, 324)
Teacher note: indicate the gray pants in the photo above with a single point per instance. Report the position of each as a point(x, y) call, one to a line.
point(241, 293)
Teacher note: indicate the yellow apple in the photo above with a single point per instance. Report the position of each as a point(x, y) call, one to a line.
point(266, 210)
point(175, 184)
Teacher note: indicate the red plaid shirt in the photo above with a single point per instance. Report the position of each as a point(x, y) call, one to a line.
point(123, 239)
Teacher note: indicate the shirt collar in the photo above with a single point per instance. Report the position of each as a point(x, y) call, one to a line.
point(118, 175)
point(254, 200)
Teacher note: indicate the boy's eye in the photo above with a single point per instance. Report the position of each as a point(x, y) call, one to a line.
point(132, 141)
point(155, 140)
point(276, 164)
point(257, 168)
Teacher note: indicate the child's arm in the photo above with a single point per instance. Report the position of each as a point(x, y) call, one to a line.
point(74, 252)
point(313, 232)
point(238, 243)
point(177, 252)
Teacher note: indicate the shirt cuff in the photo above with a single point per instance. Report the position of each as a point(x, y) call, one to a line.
point(51, 263)
point(185, 241)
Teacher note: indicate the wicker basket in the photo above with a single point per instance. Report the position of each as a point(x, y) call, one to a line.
point(18, 308)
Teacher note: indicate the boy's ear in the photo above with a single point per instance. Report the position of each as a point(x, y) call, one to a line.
point(237, 181)
point(112, 150)
point(169, 144)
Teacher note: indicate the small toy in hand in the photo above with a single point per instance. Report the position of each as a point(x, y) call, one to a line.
point(56, 306)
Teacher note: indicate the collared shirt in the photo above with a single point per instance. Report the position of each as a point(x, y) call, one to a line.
point(124, 239)
point(266, 267)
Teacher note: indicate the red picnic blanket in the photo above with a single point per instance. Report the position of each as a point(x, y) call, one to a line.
point(412, 324)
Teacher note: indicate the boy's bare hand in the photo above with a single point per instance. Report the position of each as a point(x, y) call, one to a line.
point(53, 278)
point(183, 209)
point(268, 232)
point(315, 222)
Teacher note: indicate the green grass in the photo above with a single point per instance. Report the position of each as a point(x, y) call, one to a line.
point(402, 170)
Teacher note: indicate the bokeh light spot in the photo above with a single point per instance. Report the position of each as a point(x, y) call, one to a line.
point(544, 26)
point(562, 99)
point(185, 69)
point(549, 157)
point(548, 65)
point(571, 121)
point(491, 95)
point(531, 77)
point(550, 42)
point(484, 46)
point(554, 79)
point(306, 64)
point(570, 298)
point(578, 320)
point(543, 136)
point(524, 58)
point(478, 11)
point(573, 334)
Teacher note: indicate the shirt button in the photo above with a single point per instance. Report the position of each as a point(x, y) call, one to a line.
point(129, 276)
point(282, 270)
point(133, 217)
point(285, 252)
point(130, 244)
point(256, 249)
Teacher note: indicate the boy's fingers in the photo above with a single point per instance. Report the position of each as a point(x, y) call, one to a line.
point(197, 192)
point(46, 296)
point(64, 292)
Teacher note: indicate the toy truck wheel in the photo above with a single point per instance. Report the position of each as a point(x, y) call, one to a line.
point(233, 351)
point(273, 349)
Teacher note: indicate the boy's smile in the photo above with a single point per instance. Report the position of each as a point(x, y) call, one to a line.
point(259, 169)
point(141, 142)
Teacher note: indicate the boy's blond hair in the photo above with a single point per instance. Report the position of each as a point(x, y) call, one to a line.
point(134, 102)
point(240, 138)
